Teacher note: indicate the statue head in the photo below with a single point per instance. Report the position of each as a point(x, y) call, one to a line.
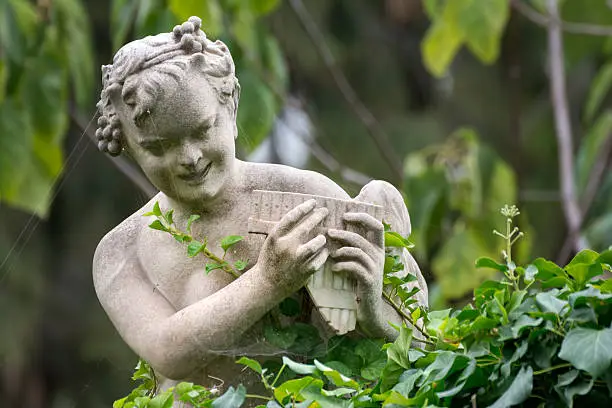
point(170, 101)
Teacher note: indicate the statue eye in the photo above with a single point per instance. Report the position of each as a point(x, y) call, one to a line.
point(156, 148)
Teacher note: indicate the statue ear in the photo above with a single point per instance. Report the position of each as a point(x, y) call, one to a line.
point(198, 60)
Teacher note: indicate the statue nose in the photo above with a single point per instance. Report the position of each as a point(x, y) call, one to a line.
point(190, 156)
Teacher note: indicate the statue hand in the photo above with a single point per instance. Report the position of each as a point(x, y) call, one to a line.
point(364, 261)
point(290, 254)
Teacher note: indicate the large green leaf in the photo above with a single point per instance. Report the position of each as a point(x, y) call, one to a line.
point(478, 24)
point(519, 390)
point(257, 109)
point(233, 398)
point(482, 23)
point(588, 349)
point(75, 41)
point(441, 43)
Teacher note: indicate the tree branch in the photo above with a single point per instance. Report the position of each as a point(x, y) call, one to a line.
point(124, 166)
point(569, 27)
point(558, 94)
point(372, 125)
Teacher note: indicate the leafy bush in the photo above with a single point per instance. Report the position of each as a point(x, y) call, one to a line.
point(541, 335)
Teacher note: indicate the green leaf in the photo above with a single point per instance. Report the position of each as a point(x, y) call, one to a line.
point(482, 24)
point(393, 239)
point(299, 368)
point(600, 86)
point(194, 248)
point(586, 256)
point(485, 262)
point(258, 109)
point(398, 351)
point(211, 266)
point(168, 216)
point(229, 241)
point(519, 390)
point(433, 8)
point(548, 269)
point(588, 349)
point(233, 398)
point(191, 220)
point(157, 225)
point(163, 400)
point(335, 377)
point(441, 43)
point(295, 387)
point(252, 364)
point(156, 210)
point(548, 302)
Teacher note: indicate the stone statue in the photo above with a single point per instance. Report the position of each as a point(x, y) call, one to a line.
point(170, 102)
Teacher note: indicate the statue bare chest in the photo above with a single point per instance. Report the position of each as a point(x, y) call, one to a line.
point(183, 280)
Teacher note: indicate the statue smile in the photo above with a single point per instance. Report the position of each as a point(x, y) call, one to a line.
point(196, 177)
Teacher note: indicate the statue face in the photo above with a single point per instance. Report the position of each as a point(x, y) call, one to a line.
point(185, 145)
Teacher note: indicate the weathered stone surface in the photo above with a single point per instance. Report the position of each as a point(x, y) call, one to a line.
point(170, 102)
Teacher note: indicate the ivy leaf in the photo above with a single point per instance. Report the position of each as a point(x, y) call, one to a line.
point(588, 349)
point(168, 216)
point(194, 248)
point(548, 302)
point(233, 398)
point(240, 265)
point(252, 364)
point(482, 24)
point(485, 262)
point(229, 241)
point(211, 266)
point(163, 400)
point(548, 269)
point(398, 351)
point(157, 225)
point(299, 368)
point(338, 379)
point(191, 220)
point(295, 387)
point(156, 210)
point(519, 390)
point(394, 239)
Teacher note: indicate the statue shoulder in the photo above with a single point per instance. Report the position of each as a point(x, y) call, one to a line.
point(265, 176)
point(120, 246)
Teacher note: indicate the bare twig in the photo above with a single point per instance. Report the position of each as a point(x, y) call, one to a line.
point(372, 125)
point(124, 166)
point(573, 216)
point(569, 27)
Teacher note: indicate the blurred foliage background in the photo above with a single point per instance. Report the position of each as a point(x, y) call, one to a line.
point(448, 100)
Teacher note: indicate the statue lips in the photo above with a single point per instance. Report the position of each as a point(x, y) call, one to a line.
point(195, 177)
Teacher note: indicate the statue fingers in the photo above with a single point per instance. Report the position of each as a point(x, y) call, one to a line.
point(353, 254)
point(351, 239)
point(294, 217)
point(316, 262)
point(368, 222)
point(355, 269)
point(308, 224)
point(312, 247)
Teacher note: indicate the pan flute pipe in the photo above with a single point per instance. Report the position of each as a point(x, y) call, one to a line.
point(333, 294)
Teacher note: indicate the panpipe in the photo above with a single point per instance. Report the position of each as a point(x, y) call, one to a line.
point(334, 294)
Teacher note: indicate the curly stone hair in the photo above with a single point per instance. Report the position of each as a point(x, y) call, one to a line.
point(161, 55)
